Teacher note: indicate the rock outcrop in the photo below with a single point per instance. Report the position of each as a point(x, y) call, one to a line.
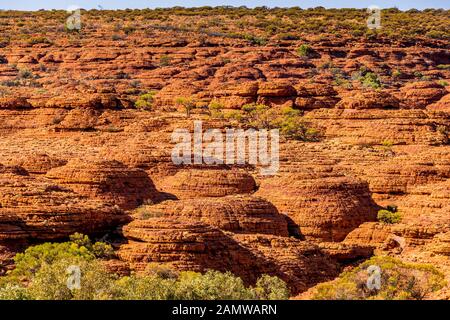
point(325, 208)
point(109, 181)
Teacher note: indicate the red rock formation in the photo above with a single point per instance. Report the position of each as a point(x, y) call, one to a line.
point(239, 214)
point(33, 208)
point(420, 94)
point(368, 100)
point(315, 96)
point(38, 163)
point(193, 183)
point(109, 181)
point(325, 209)
point(196, 246)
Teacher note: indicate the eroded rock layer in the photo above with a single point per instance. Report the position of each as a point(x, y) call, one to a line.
point(109, 181)
point(325, 209)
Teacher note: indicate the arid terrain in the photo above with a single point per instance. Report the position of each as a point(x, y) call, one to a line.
point(87, 117)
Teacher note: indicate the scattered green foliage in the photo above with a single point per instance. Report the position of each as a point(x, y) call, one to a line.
point(398, 281)
point(215, 109)
point(304, 50)
point(42, 273)
point(389, 217)
point(289, 121)
point(145, 101)
point(188, 104)
point(443, 66)
point(39, 40)
point(164, 60)
point(370, 80)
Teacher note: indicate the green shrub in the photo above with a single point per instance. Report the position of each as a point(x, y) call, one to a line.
point(215, 109)
point(44, 272)
point(212, 285)
point(25, 74)
point(259, 41)
point(50, 282)
point(398, 280)
point(38, 40)
point(289, 121)
point(14, 292)
point(271, 288)
point(145, 101)
point(370, 80)
point(396, 74)
point(304, 50)
point(388, 217)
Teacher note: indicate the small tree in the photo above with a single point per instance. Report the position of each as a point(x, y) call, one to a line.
point(187, 103)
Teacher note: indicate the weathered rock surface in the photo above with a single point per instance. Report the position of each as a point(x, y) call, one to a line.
point(74, 98)
point(193, 183)
point(239, 214)
point(109, 181)
point(325, 208)
point(196, 246)
point(36, 209)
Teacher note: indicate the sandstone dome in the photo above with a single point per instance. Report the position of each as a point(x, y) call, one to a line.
point(325, 209)
point(211, 182)
point(240, 214)
point(109, 181)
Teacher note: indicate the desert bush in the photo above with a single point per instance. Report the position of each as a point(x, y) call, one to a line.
point(443, 66)
point(145, 101)
point(254, 40)
point(215, 109)
point(25, 74)
point(116, 37)
point(50, 282)
point(38, 40)
point(304, 50)
point(271, 288)
point(289, 121)
point(388, 217)
point(79, 248)
point(398, 280)
point(370, 80)
point(43, 272)
point(396, 74)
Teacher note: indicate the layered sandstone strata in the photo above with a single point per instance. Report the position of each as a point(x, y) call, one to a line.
point(109, 181)
point(213, 182)
point(33, 208)
point(325, 209)
point(239, 214)
point(184, 245)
